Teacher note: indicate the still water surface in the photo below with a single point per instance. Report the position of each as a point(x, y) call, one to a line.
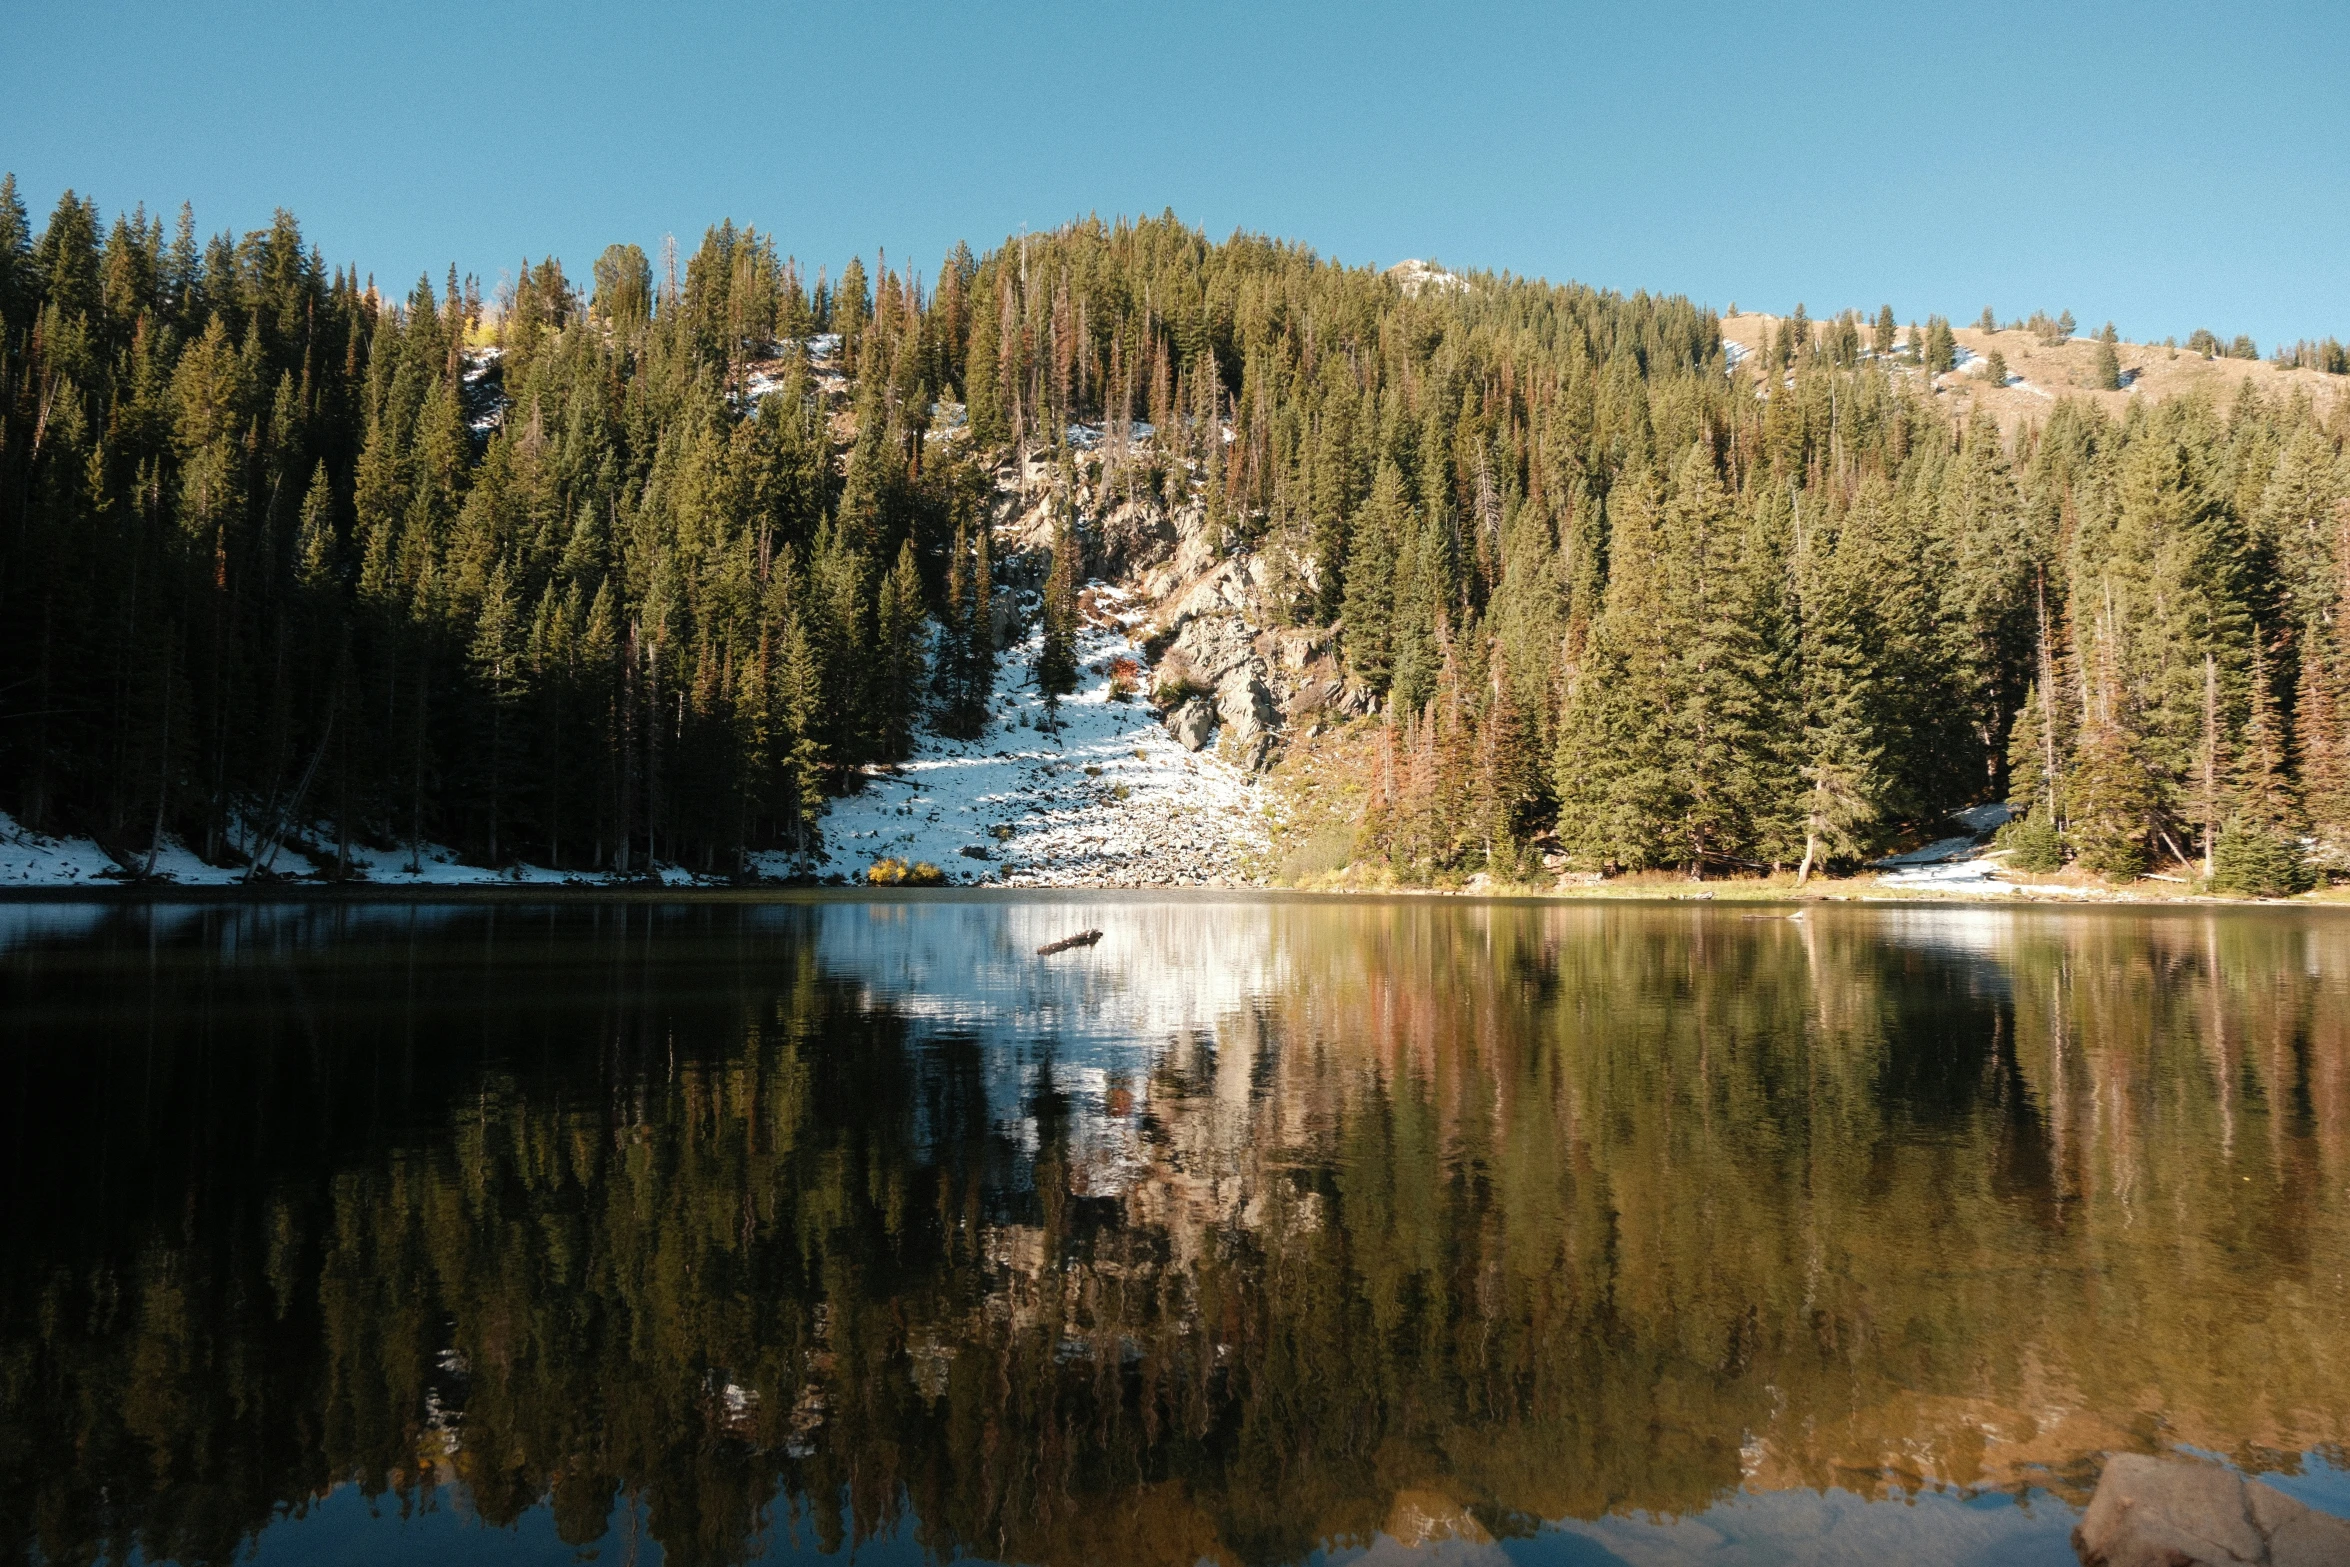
point(1265, 1231)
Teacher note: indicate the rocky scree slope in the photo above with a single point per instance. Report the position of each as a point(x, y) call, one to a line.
point(1152, 773)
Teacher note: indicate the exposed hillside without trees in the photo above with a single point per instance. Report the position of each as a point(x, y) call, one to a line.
point(642, 569)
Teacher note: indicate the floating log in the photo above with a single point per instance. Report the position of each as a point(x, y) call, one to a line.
point(1084, 938)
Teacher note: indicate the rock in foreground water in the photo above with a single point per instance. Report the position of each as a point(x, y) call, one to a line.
point(2184, 1512)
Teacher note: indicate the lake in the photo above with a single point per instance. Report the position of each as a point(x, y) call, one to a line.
point(1266, 1230)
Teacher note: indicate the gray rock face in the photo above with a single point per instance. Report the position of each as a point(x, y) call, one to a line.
point(1004, 618)
point(1133, 537)
point(1247, 710)
point(2184, 1512)
point(1244, 704)
point(1213, 646)
point(1192, 723)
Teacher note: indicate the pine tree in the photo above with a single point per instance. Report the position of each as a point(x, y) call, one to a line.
point(2321, 732)
point(1508, 784)
point(2109, 802)
point(1618, 790)
point(2259, 851)
point(1369, 612)
point(2105, 367)
point(1841, 705)
point(623, 280)
point(16, 246)
point(1725, 678)
point(1794, 337)
point(496, 653)
point(981, 401)
point(799, 700)
point(979, 649)
point(2260, 793)
point(899, 663)
point(2110, 796)
point(838, 621)
point(1056, 661)
point(1941, 347)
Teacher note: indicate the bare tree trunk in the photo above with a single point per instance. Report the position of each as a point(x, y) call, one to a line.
point(163, 772)
point(416, 790)
point(2210, 760)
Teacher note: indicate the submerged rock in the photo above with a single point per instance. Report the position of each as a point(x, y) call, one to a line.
point(2185, 1512)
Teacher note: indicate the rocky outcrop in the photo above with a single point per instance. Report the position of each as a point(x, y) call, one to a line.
point(2185, 1512)
point(1193, 723)
point(1232, 675)
point(1246, 708)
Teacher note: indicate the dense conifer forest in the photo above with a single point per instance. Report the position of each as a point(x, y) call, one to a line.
point(639, 568)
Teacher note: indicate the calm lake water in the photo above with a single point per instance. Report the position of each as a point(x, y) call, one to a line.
point(1264, 1231)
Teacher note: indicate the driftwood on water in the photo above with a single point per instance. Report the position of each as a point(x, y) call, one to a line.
point(1084, 938)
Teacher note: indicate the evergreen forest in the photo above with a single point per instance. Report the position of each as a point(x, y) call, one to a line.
point(639, 569)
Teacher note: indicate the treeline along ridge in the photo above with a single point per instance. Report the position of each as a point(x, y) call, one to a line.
point(639, 570)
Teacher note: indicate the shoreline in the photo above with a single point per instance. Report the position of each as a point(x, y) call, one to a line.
point(1847, 892)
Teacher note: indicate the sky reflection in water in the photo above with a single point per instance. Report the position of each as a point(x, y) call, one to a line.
point(1266, 1231)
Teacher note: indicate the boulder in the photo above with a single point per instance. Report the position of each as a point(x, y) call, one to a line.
point(2186, 1512)
point(1244, 704)
point(1246, 708)
point(1192, 723)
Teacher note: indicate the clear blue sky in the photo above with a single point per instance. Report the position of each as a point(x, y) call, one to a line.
point(2164, 166)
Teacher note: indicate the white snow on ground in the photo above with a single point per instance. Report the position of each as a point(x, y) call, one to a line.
point(1984, 818)
point(1963, 875)
point(30, 859)
point(758, 384)
point(1416, 274)
point(1100, 796)
point(1089, 437)
point(436, 864)
point(1105, 796)
point(1951, 863)
point(1939, 852)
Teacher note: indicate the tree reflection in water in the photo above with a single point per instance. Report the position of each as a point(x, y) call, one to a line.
point(739, 1225)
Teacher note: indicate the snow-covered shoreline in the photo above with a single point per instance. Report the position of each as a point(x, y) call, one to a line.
point(1089, 792)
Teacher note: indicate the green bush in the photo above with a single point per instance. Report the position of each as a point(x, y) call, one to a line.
point(2254, 861)
point(2032, 843)
point(1328, 849)
point(2114, 855)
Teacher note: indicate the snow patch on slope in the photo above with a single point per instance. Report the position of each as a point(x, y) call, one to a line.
point(1100, 795)
point(1415, 275)
point(31, 859)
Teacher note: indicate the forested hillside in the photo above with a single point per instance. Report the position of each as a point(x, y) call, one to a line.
point(640, 568)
